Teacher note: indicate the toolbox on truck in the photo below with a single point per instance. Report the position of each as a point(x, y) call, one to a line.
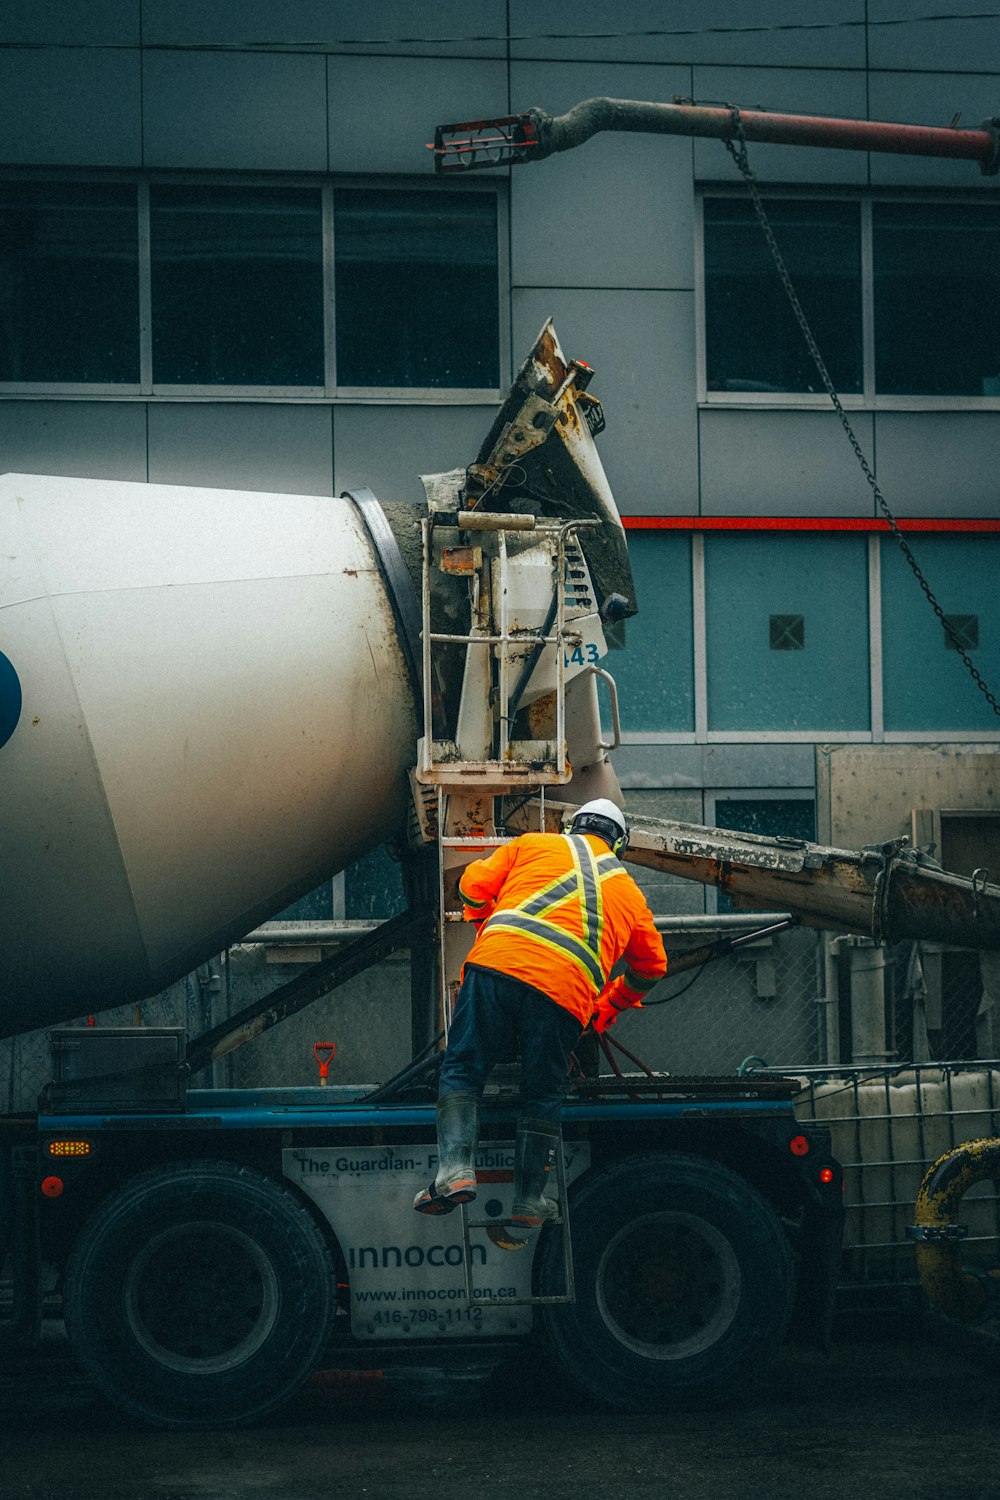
point(116, 1068)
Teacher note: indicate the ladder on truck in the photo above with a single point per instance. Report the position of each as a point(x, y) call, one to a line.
point(457, 784)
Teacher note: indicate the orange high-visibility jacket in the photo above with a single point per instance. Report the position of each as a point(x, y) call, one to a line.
point(558, 911)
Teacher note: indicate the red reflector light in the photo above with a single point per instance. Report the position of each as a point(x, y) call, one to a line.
point(799, 1145)
point(52, 1187)
point(826, 1174)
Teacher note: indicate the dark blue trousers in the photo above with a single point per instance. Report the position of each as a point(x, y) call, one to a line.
point(496, 1016)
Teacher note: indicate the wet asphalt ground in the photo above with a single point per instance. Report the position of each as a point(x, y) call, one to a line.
point(900, 1409)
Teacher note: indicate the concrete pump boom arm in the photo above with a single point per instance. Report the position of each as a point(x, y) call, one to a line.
point(510, 140)
point(888, 892)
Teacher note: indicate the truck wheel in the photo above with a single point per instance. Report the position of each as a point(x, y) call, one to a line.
point(199, 1295)
point(684, 1282)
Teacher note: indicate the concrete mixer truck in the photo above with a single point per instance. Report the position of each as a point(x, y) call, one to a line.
point(314, 676)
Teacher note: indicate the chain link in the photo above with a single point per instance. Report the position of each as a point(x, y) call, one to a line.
point(738, 152)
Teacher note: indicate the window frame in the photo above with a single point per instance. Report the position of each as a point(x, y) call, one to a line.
point(329, 393)
point(867, 399)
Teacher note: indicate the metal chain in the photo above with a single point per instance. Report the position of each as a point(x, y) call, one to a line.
point(739, 155)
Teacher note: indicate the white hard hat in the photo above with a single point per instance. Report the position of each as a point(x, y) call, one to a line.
point(603, 818)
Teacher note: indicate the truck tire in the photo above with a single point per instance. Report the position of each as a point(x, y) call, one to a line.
point(199, 1295)
point(684, 1282)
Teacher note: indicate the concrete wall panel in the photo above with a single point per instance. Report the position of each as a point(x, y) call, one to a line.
point(85, 439)
point(933, 99)
point(112, 23)
point(391, 26)
point(931, 45)
point(234, 110)
point(387, 448)
point(67, 107)
point(790, 463)
point(412, 96)
point(936, 463)
point(699, 31)
point(641, 345)
point(287, 449)
point(617, 211)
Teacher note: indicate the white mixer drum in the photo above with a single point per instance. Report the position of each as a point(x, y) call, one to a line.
point(205, 709)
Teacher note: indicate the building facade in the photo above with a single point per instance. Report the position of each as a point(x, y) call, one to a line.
point(225, 260)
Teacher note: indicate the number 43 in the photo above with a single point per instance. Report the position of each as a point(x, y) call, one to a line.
point(582, 656)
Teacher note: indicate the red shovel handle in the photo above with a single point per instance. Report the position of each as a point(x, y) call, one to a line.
point(324, 1053)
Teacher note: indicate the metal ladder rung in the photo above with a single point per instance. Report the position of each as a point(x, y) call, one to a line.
point(561, 1223)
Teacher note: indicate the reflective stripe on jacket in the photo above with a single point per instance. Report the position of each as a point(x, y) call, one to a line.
point(558, 911)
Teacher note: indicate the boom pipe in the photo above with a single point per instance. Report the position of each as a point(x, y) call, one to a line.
point(514, 139)
point(889, 891)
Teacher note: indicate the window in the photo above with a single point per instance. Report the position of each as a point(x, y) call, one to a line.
point(900, 295)
point(937, 322)
point(69, 283)
point(285, 288)
point(416, 289)
point(237, 286)
point(752, 342)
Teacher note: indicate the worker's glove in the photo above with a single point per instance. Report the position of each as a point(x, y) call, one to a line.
point(605, 1014)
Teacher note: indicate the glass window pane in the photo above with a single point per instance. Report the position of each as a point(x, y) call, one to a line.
point(752, 341)
point(926, 685)
point(655, 673)
point(822, 686)
point(237, 286)
point(69, 282)
point(937, 316)
point(417, 289)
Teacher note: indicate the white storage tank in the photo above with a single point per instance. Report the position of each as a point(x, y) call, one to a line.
point(887, 1128)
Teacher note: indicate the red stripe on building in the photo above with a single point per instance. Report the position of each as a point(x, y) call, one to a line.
point(806, 523)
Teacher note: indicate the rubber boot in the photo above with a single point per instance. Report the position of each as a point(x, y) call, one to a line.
point(457, 1138)
point(534, 1157)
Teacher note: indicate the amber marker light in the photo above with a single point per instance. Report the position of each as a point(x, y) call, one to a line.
point(69, 1148)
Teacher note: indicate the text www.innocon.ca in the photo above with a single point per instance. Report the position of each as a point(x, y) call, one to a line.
point(432, 1294)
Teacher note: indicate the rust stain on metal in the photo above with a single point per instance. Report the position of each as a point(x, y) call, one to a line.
point(546, 354)
point(461, 560)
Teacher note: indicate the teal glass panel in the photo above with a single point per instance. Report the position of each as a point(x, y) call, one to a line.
point(926, 685)
point(787, 632)
point(655, 671)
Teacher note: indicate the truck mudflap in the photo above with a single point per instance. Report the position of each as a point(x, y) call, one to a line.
point(406, 1272)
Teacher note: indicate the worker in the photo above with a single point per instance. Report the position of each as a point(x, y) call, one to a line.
point(556, 913)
